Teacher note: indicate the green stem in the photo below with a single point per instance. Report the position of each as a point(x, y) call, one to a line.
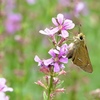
point(50, 86)
point(73, 95)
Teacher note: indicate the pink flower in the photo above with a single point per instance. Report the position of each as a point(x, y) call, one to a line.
point(63, 25)
point(58, 59)
point(65, 3)
point(3, 89)
point(43, 67)
point(12, 23)
point(3, 86)
point(31, 1)
point(81, 7)
point(9, 5)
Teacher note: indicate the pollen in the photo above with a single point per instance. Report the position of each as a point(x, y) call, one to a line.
point(60, 27)
point(56, 59)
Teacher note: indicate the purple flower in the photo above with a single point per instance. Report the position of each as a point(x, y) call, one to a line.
point(59, 57)
point(37, 59)
point(64, 2)
point(3, 87)
point(12, 23)
point(42, 63)
point(43, 67)
point(81, 7)
point(9, 5)
point(31, 1)
point(63, 25)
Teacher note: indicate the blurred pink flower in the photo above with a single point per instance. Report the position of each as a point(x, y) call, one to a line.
point(31, 1)
point(63, 25)
point(3, 96)
point(13, 23)
point(3, 86)
point(65, 2)
point(9, 5)
point(80, 7)
point(3, 89)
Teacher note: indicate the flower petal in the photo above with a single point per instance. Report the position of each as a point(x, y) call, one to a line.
point(48, 61)
point(58, 48)
point(64, 60)
point(63, 50)
point(2, 81)
point(49, 32)
point(46, 31)
point(3, 86)
point(64, 34)
point(43, 32)
point(56, 67)
point(62, 66)
point(71, 26)
point(51, 52)
point(56, 51)
point(3, 96)
point(7, 89)
point(60, 18)
point(37, 59)
point(54, 21)
point(68, 24)
point(55, 30)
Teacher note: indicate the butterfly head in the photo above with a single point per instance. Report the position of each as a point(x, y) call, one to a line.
point(79, 37)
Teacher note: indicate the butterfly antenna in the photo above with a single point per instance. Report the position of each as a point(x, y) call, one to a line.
point(79, 30)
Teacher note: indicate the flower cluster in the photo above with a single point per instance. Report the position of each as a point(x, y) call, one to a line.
point(76, 7)
point(12, 23)
point(58, 57)
point(58, 54)
point(54, 66)
point(4, 88)
point(62, 27)
point(12, 20)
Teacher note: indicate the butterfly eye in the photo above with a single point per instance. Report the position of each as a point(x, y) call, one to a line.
point(81, 37)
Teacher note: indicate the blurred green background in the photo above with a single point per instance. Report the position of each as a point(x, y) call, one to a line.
point(19, 46)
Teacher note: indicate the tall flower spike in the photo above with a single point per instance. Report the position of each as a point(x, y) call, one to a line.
point(63, 25)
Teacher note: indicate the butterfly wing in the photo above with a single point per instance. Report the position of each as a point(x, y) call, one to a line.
point(81, 58)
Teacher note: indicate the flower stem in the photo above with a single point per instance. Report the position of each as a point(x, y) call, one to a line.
point(50, 85)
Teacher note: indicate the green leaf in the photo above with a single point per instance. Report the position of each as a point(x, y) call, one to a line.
point(45, 97)
point(60, 83)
